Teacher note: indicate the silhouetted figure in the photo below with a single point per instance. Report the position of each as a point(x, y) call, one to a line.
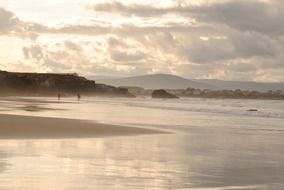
point(58, 96)
point(78, 97)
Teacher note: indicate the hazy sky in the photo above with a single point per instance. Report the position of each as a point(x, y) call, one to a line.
point(223, 39)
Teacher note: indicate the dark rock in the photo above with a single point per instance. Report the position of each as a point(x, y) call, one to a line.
point(162, 94)
point(252, 110)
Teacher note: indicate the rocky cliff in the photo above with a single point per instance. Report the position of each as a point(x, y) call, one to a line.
point(46, 84)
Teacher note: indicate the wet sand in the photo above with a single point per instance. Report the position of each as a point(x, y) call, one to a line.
point(28, 127)
point(214, 144)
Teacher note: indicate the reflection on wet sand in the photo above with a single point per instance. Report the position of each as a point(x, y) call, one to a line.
point(147, 162)
point(215, 152)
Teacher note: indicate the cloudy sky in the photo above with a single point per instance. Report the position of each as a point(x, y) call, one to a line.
point(222, 39)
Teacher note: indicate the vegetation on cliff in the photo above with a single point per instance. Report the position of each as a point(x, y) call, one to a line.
point(45, 84)
point(198, 93)
point(162, 94)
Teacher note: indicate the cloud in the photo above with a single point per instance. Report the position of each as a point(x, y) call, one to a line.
point(225, 40)
point(124, 56)
point(42, 57)
point(132, 9)
point(33, 52)
point(79, 29)
point(8, 22)
point(259, 16)
point(73, 46)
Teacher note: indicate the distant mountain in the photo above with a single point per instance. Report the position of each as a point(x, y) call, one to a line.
point(157, 81)
point(243, 85)
point(101, 77)
point(166, 81)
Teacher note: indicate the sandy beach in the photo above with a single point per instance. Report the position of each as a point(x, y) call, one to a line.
point(124, 143)
point(18, 127)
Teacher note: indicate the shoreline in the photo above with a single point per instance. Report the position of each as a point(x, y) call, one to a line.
point(31, 127)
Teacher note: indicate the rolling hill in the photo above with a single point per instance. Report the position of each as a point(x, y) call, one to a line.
point(166, 81)
point(157, 81)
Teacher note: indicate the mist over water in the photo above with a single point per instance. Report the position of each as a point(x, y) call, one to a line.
point(214, 144)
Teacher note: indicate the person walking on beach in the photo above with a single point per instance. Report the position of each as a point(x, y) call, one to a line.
point(58, 96)
point(78, 97)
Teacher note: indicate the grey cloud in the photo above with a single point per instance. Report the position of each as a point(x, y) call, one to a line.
point(217, 70)
point(10, 24)
point(133, 9)
point(26, 52)
point(114, 42)
point(73, 46)
point(100, 69)
point(124, 56)
point(242, 67)
point(54, 64)
point(121, 51)
point(33, 52)
point(8, 21)
point(236, 45)
point(159, 52)
point(263, 17)
point(245, 50)
point(249, 44)
point(40, 55)
point(81, 29)
point(200, 51)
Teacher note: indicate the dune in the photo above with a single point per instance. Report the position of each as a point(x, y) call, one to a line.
point(29, 127)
